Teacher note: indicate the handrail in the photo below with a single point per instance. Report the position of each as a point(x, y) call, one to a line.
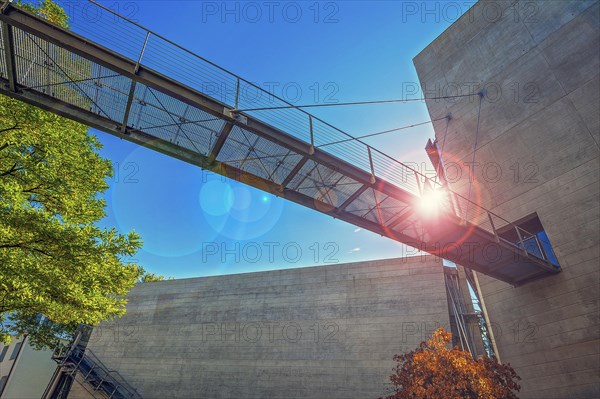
point(368, 158)
point(293, 106)
point(111, 376)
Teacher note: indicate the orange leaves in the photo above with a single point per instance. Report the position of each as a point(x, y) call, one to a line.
point(433, 371)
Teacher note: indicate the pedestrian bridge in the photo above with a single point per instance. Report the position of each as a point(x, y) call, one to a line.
point(114, 75)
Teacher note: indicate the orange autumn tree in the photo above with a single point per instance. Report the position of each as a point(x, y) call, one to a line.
point(433, 371)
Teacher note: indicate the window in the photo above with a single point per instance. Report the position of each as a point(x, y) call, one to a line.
point(3, 353)
point(15, 351)
point(2, 382)
point(531, 237)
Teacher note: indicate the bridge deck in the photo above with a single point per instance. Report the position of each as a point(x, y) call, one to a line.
point(116, 76)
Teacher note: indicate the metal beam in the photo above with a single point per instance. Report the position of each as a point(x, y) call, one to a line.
point(9, 55)
point(400, 218)
point(294, 172)
point(306, 176)
point(351, 198)
point(128, 106)
point(214, 152)
point(377, 208)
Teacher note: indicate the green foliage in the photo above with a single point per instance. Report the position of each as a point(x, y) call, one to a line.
point(151, 277)
point(433, 371)
point(54, 260)
point(46, 9)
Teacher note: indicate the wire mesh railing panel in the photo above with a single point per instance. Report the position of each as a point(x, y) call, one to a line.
point(391, 208)
point(320, 183)
point(201, 75)
point(383, 207)
point(250, 153)
point(162, 56)
point(299, 176)
point(235, 149)
point(411, 228)
point(104, 28)
point(38, 66)
point(502, 229)
point(343, 190)
point(171, 120)
point(347, 150)
point(289, 120)
point(68, 77)
point(107, 92)
point(395, 172)
point(471, 212)
point(286, 165)
point(363, 204)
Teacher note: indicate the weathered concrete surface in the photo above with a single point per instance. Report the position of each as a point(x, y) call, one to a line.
point(544, 56)
point(317, 332)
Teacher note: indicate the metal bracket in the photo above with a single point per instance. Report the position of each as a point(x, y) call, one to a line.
point(234, 114)
point(241, 118)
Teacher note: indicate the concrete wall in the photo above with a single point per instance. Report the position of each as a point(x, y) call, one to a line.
point(317, 332)
point(30, 374)
point(544, 56)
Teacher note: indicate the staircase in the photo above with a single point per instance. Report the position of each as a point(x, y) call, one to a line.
point(81, 365)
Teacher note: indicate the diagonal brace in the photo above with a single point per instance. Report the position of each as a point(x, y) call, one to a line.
point(225, 131)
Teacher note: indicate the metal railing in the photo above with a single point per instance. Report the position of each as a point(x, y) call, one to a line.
point(149, 49)
point(79, 361)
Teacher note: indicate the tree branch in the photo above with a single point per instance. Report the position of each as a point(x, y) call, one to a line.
point(15, 127)
point(11, 170)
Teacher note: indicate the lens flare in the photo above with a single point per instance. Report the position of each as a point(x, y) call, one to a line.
point(431, 202)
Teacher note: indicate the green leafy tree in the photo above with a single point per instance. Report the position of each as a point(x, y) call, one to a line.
point(47, 9)
point(54, 260)
point(151, 278)
point(432, 371)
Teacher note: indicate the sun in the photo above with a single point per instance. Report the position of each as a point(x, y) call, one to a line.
point(431, 202)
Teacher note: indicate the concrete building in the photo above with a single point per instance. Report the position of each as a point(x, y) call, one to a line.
point(317, 332)
point(533, 138)
point(24, 372)
point(537, 156)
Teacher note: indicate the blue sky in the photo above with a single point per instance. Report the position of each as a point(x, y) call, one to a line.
point(195, 223)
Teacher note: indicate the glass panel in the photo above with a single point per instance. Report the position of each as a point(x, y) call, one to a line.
point(547, 247)
point(2, 382)
point(531, 245)
point(15, 351)
point(3, 353)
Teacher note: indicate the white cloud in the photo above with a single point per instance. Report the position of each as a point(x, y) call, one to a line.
point(357, 230)
point(354, 250)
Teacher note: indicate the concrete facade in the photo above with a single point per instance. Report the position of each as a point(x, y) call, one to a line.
point(540, 127)
point(317, 332)
point(24, 372)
